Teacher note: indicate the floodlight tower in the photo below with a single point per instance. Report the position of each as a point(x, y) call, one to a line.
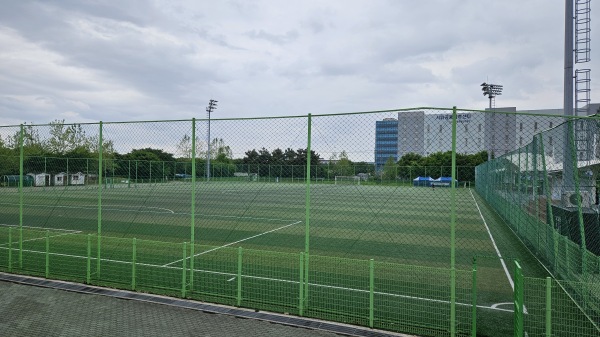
point(212, 105)
point(576, 83)
point(491, 91)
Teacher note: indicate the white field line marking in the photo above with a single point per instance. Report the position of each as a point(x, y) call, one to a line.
point(512, 284)
point(164, 209)
point(95, 207)
point(276, 280)
point(50, 229)
point(499, 304)
point(43, 238)
point(231, 279)
point(242, 217)
point(233, 243)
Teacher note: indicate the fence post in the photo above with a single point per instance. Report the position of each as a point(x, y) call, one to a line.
point(307, 207)
point(133, 260)
point(129, 173)
point(474, 299)
point(453, 231)
point(136, 173)
point(47, 274)
point(549, 211)
point(518, 301)
point(89, 259)
point(548, 306)
point(571, 179)
point(21, 159)
point(239, 277)
point(183, 270)
point(10, 249)
point(301, 283)
point(371, 292)
point(100, 171)
point(193, 206)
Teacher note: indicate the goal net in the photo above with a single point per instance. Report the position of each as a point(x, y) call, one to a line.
point(347, 180)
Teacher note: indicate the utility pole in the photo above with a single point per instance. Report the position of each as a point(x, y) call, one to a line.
point(212, 105)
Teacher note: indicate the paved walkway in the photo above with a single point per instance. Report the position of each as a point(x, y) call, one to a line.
point(27, 310)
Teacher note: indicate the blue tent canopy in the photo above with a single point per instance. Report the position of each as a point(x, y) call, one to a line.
point(422, 181)
point(444, 182)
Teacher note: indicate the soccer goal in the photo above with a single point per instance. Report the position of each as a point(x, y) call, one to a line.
point(347, 180)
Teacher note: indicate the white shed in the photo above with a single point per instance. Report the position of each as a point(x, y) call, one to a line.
point(41, 179)
point(60, 179)
point(77, 179)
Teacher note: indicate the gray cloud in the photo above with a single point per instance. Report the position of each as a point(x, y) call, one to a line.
point(135, 59)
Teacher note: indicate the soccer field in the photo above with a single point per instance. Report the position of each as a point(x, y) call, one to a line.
point(386, 223)
point(405, 230)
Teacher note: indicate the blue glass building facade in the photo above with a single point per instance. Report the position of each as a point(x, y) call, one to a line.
point(386, 141)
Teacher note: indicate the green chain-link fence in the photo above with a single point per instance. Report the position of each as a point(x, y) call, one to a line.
point(340, 217)
point(546, 190)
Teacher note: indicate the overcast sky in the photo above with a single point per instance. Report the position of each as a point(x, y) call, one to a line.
point(126, 60)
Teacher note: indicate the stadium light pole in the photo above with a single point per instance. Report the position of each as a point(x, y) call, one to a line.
point(212, 105)
point(491, 91)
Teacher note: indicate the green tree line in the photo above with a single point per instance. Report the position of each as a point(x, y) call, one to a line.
point(69, 148)
point(412, 165)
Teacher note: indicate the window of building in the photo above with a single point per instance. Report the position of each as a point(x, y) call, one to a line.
point(521, 126)
point(535, 126)
point(440, 128)
point(520, 141)
point(427, 127)
point(479, 127)
point(551, 125)
point(466, 128)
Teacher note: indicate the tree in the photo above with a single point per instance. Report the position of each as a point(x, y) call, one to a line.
point(389, 170)
point(150, 163)
point(364, 167)
point(277, 156)
point(410, 166)
point(251, 157)
point(343, 166)
point(32, 145)
point(65, 138)
point(184, 147)
point(220, 152)
point(149, 154)
point(289, 156)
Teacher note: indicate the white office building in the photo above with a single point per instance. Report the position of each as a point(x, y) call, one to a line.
point(425, 133)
